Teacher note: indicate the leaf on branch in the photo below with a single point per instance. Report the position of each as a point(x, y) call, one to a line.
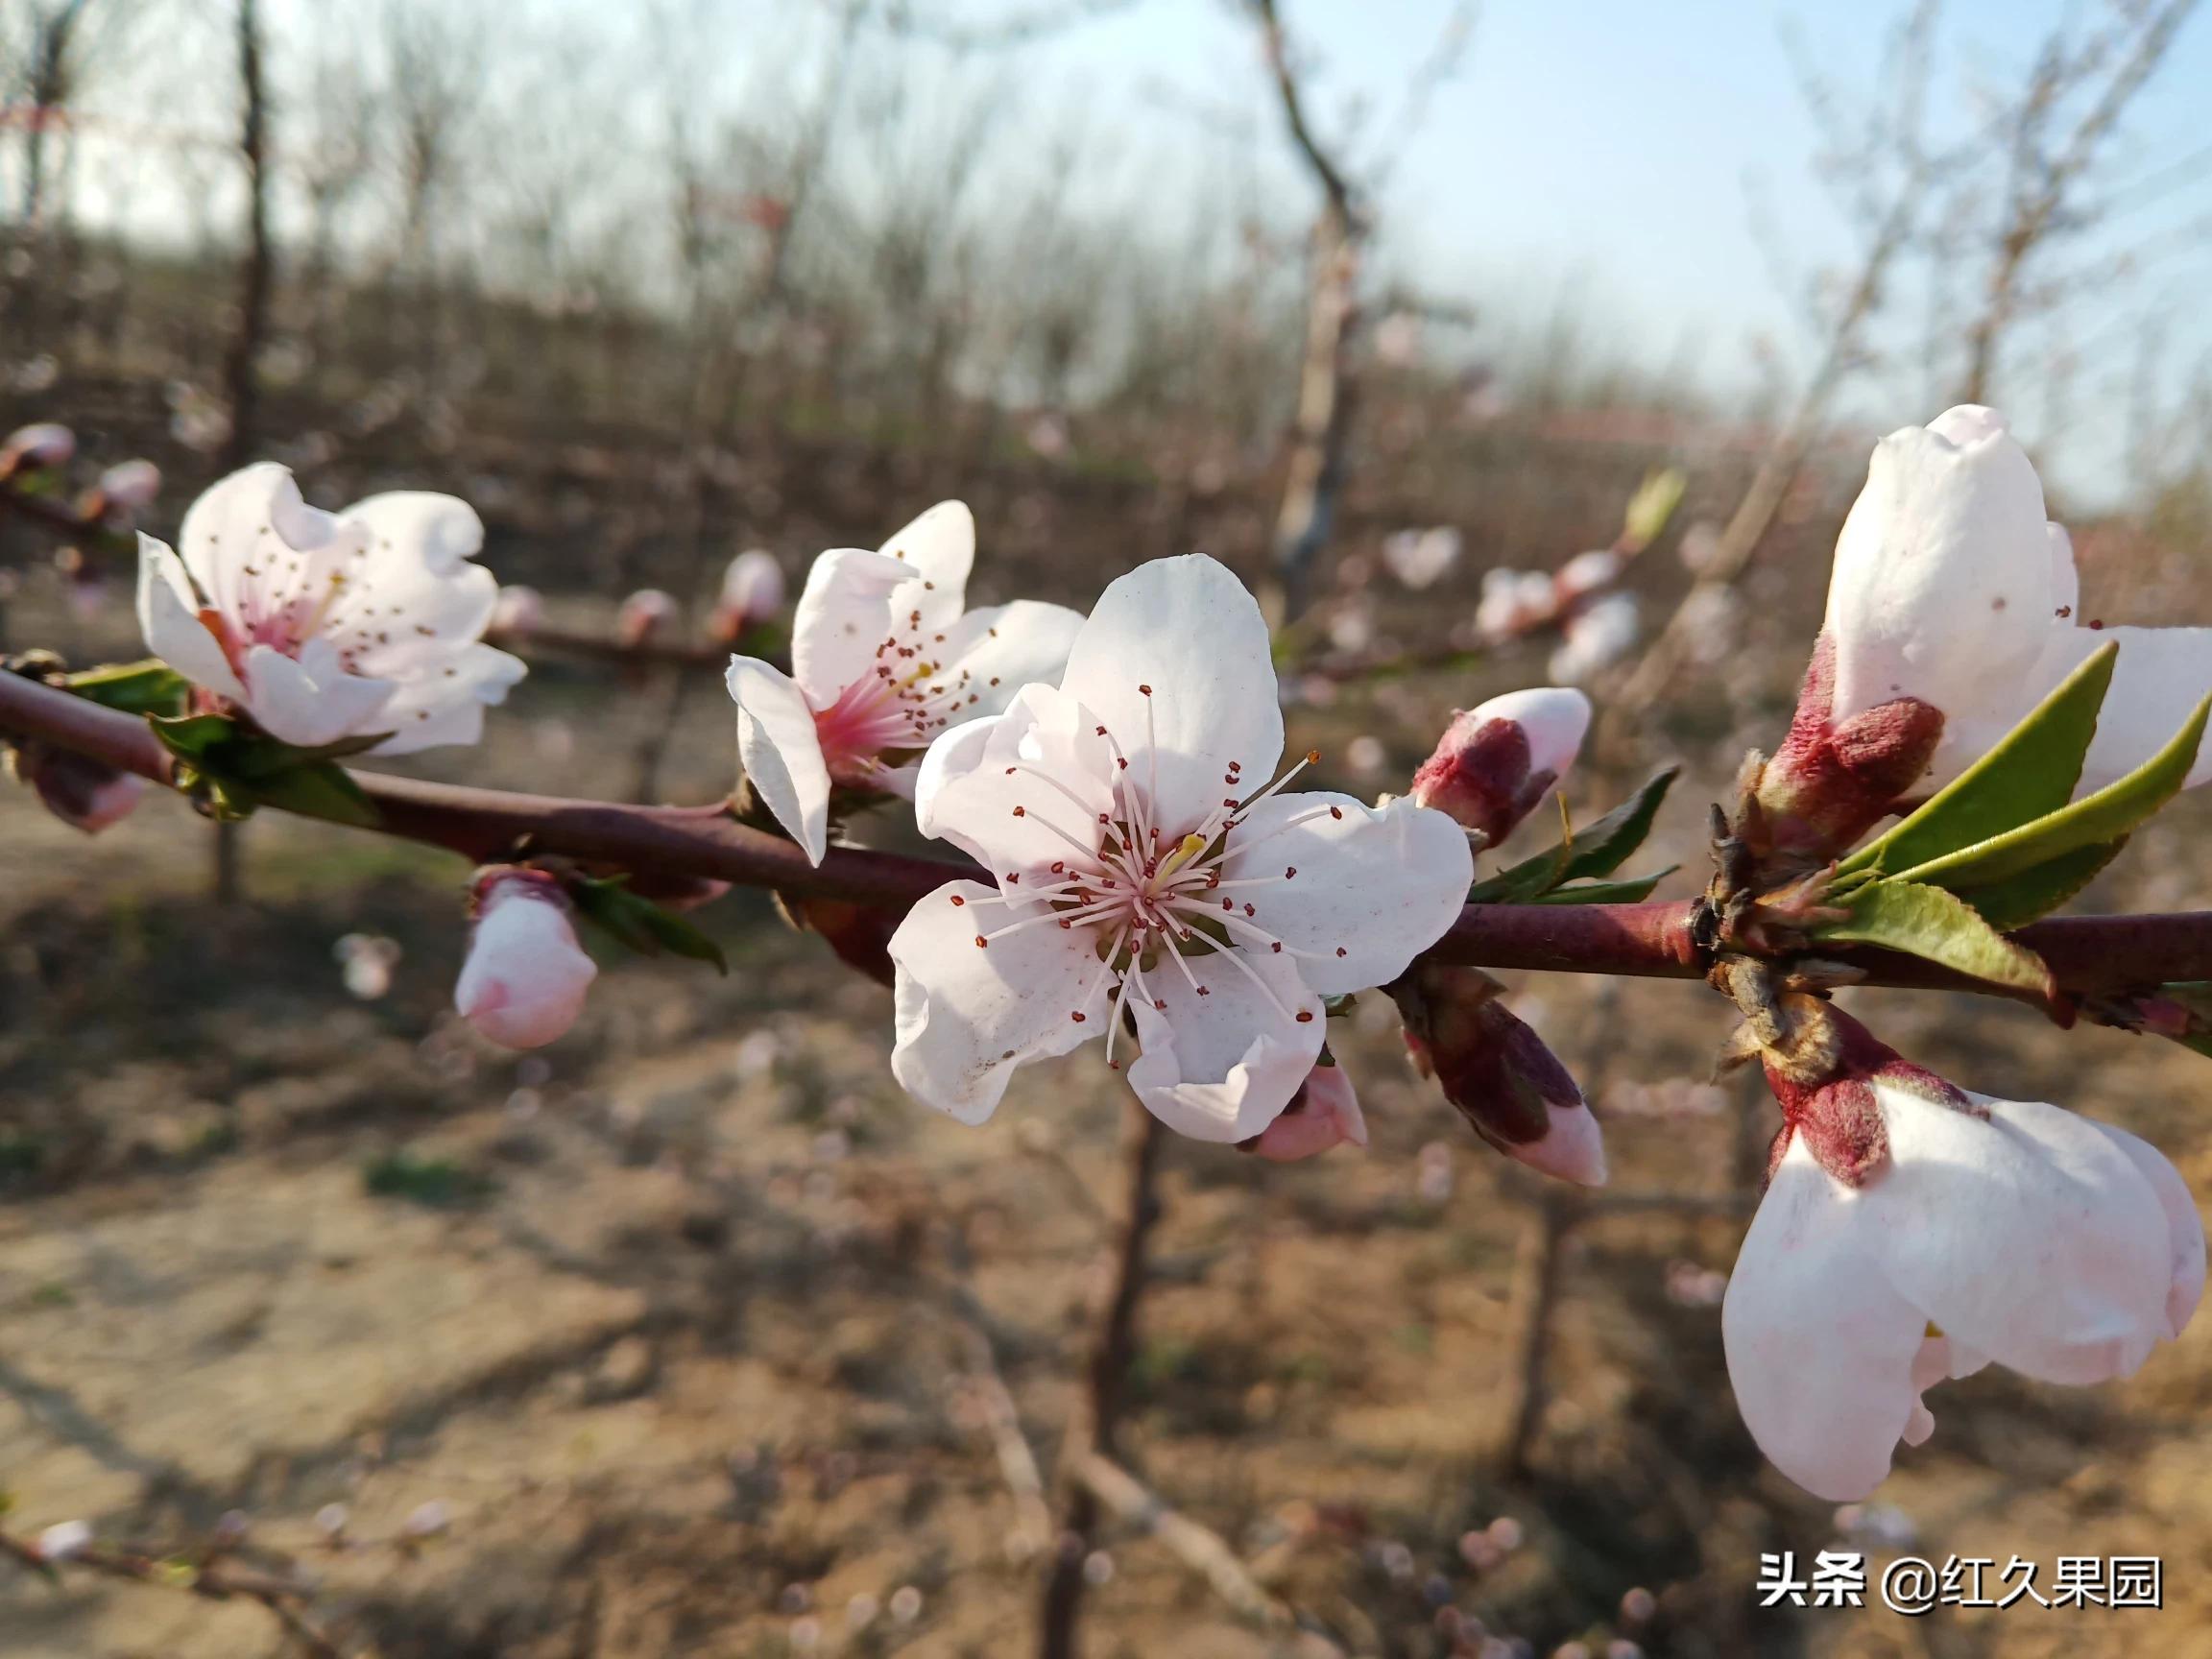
point(2108, 815)
point(1938, 926)
point(148, 687)
point(1630, 891)
point(2021, 898)
point(190, 737)
point(2030, 774)
point(641, 925)
point(321, 789)
point(1650, 508)
point(239, 769)
point(1598, 849)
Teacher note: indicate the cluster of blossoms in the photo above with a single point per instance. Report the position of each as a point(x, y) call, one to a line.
point(1148, 879)
point(1597, 623)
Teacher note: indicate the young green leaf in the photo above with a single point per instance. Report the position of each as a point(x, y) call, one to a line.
point(2108, 815)
point(2030, 772)
point(319, 789)
point(1938, 927)
point(2018, 900)
point(641, 925)
point(191, 736)
point(1631, 892)
point(148, 687)
point(1596, 850)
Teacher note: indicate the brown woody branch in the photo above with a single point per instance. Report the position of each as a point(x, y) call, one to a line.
point(2088, 955)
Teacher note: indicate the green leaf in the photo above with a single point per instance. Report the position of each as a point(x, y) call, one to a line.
point(191, 736)
point(1650, 508)
point(2019, 899)
point(1633, 892)
point(2030, 774)
point(148, 687)
point(1938, 927)
point(1598, 849)
point(321, 789)
point(641, 925)
point(2108, 815)
point(255, 754)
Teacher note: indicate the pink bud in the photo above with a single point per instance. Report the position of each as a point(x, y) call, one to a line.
point(1832, 782)
point(641, 615)
point(1511, 1088)
point(1324, 1113)
point(64, 1541)
point(1588, 572)
point(48, 443)
point(1496, 761)
point(751, 592)
point(130, 486)
point(525, 980)
point(517, 610)
point(84, 793)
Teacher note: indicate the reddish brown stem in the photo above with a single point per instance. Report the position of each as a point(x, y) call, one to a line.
point(2087, 955)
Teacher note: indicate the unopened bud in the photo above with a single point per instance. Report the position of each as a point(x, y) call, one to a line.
point(517, 611)
point(752, 592)
point(1586, 573)
point(1832, 782)
point(84, 793)
point(641, 615)
point(428, 1520)
point(37, 448)
point(66, 1540)
point(1595, 637)
point(1496, 761)
point(1324, 1113)
point(525, 980)
point(128, 487)
point(1511, 1088)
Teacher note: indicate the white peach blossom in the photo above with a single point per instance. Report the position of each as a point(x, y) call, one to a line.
point(327, 626)
point(1142, 871)
point(885, 656)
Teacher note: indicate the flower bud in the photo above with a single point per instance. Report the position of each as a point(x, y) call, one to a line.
point(517, 611)
point(1509, 1087)
point(1832, 782)
point(525, 980)
point(1586, 573)
point(1324, 1113)
point(37, 448)
point(1420, 557)
point(1595, 637)
point(1497, 761)
point(83, 792)
point(64, 1541)
point(751, 592)
point(128, 487)
point(642, 615)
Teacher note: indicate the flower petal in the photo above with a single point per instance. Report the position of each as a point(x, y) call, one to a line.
point(447, 707)
point(1001, 648)
point(242, 536)
point(2161, 675)
point(938, 550)
point(2029, 1237)
point(310, 700)
point(843, 615)
point(1223, 1057)
point(1821, 1348)
point(1374, 888)
point(781, 755)
point(1324, 1114)
point(2185, 1228)
point(967, 1019)
point(1186, 628)
point(169, 619)
point(1021, 792)
point(1944, 586)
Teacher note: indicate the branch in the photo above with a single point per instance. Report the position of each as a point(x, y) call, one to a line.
point(2088, 955)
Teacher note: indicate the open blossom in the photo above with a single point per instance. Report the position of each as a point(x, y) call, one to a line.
point(1325, 1113)
point(1911, 1232)
point(324, 626)
point(525, 980)
point(1498, 760)
point(1951, 587)
point(884, 657)
point(1146, 870)
point(752, 592)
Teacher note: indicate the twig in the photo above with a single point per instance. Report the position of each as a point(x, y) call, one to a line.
point(1016, 1462)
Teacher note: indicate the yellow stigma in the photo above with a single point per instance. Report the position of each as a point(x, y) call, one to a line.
point(1185, 850)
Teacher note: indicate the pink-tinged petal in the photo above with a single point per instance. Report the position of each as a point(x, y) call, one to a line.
point(1225, 1046)
point(1322, 1115)
point(2029, 1237)
point(1570, 1148)
point(169, 619)
point(2185, 1227)
point(1001, 648)
point(1821, 1348)
point(447, 708)
point(310, 700)
point(937, 550)
point(525, 980)
point(843, 615)
point(1373, 886)
point(1022, 792)
point(1942, 587)
point(1495, 763)
point(242, 536)
point(1186, 629)
point(2161, 675)
point(967, 1017)
point(781, 753)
